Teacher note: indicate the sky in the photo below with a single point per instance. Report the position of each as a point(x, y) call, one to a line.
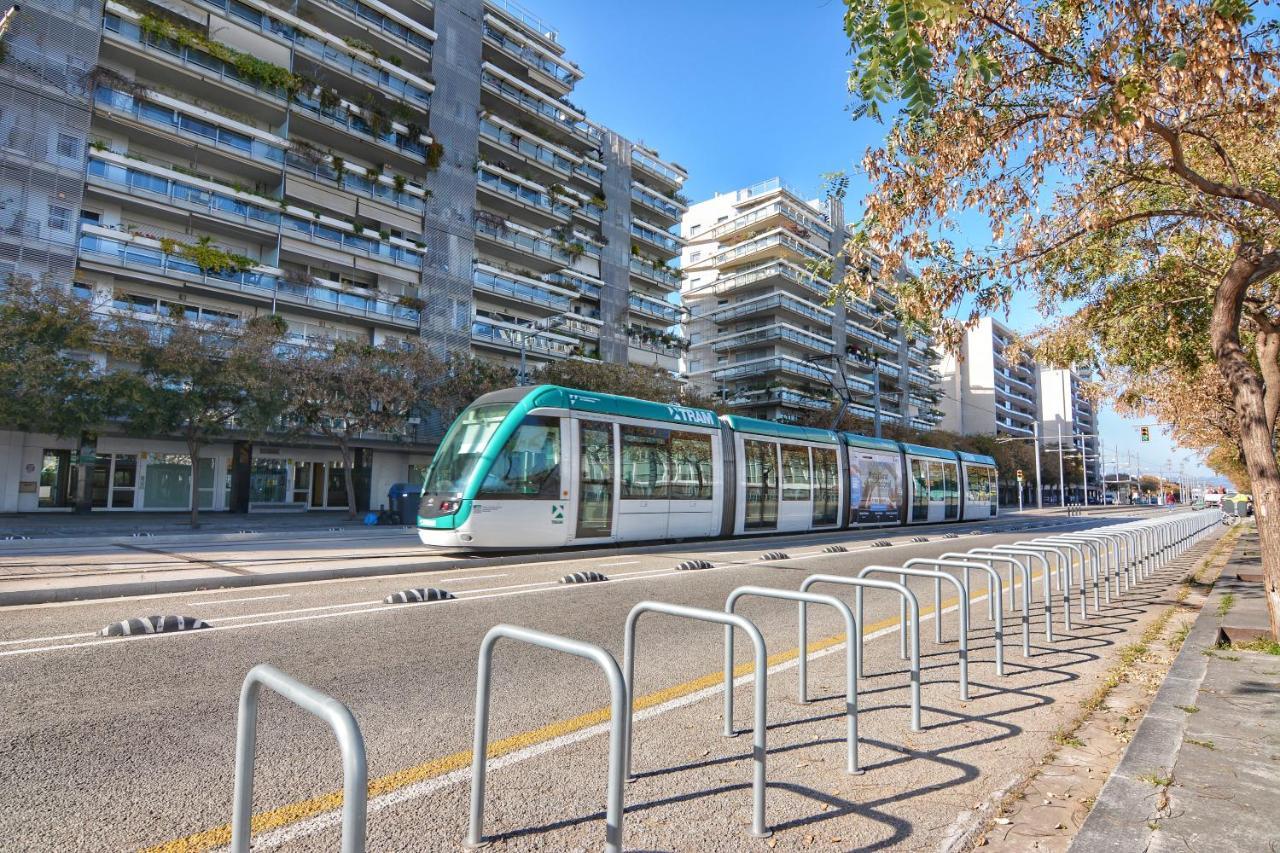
point(740, 92)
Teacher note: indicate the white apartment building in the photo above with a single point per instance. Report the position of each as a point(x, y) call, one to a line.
point(761, 334)
point(377, 169)
point(1065, 411)
point(985, 389)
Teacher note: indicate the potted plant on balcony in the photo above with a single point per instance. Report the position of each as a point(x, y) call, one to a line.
point(435, 155)
point(413, 303)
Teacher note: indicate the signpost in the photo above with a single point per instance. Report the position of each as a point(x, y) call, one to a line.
point(1019, 490)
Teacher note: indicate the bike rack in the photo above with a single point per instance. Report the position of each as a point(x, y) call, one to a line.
point(730, 621)
point(1046, 578)
point(902, 572)
point(1061, 567)
point(617, 728)
point(993, 577)
point(909, 598)
point(976, 556)
point(850, 661)
point(1098, 547)
point(355, 771)
point(1085, 562)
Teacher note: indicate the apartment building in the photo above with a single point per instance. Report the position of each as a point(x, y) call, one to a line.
point(369, 169)
point(758, 263)
point(986, 388)
point(1068, 419)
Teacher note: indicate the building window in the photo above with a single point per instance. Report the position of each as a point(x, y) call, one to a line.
point(694, 229)
point(68, 146)
point(695, 257)
point(59, 217)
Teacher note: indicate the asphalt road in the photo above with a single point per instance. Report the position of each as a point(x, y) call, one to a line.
point(115, 744)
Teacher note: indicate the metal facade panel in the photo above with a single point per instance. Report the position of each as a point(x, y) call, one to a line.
point(615, 259)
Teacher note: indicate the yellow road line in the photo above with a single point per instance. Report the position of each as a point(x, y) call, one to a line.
point(294, 812)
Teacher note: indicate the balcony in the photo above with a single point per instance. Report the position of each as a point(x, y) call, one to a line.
point(769, 303)
point(519, 290)
point(770, 216)
point(653, 201)
point(160, 115)
point(573, 280)
point(661, 348)
point(747, 278)
point(655, 237)
point(383, 189)
point(347, 119)
point(225, 204)
point(507, 337)
point(507, 40)
point(523, 195)
point(654, 308)
point(131, 254)
point(344, 236)
point(549, 110)
point(780, 397)
point(767, 366)
point(929, 378)
point(386, 23)
point(651, 165)
point(534, 150)
point(886, 369)
point(746, 340)
point(660, 274)
point(779, 244)
point(522, 244)
point(868, 336)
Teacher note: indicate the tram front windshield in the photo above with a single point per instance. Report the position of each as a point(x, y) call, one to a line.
point(461, 449)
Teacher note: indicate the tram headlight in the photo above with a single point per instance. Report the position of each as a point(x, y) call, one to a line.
point(448, 506)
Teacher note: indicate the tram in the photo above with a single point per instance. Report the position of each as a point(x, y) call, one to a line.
point(547, 466)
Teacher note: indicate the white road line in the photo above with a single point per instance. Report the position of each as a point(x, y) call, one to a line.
point(45, 639)
point(623, 563)
point(238, 600)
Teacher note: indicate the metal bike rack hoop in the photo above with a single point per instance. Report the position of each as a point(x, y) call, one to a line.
point(994, 595)
point(976, 555)
point(617, 725)
point(355, 771)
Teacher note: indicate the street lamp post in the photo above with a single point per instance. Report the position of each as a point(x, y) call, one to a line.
point(1062, 477)
point(544, 325)
point(1035, 433)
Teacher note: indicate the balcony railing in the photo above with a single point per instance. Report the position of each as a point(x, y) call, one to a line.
point(655, 237)
point(656, 167)
point(658, 274)
point(495, 334)
point(527, 54)
point(571, 281)
point(539, 107)
point(521, 142)
point(768, 241)
point(656, 202)
point(392, 29)
point(519, 240)
point(871, 337)
point(765, 187)
point(523, 193)
point(353, 123)
point(760, 214)
point(351, 242)
point(786, 270)
point(185, 195)
point(492, 282)
point(352, 182)
point(654, 308)
point(770, 365)
point(781, 396)
point(186, 126)
point(134, 256)
point(773, 333)
point(768, 303)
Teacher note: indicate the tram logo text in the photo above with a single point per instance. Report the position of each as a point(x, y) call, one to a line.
point(692, 416)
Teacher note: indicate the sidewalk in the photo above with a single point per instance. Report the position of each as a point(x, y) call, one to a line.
point(63, 525)
point(1203, 769)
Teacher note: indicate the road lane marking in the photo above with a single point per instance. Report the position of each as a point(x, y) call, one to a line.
point(238, 600)
point(623, 563)
point(45, 639)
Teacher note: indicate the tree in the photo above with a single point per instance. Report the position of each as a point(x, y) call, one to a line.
point(198, 380)
point(645, 382)
point(1123, 158)
point(460, 381)
point(353, 389)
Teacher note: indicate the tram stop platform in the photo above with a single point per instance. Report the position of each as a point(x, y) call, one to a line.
point(1203, 769)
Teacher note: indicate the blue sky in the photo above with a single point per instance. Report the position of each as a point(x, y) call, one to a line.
point(743, 91)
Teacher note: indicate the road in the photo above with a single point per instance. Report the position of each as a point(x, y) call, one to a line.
point(115, 744)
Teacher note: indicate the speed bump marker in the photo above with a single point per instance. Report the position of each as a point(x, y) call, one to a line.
point(584, 577)
point(835, 549)
point(692, 565)
point(152, 625)
point(418, 594)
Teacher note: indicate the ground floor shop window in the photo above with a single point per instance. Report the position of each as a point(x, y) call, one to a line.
point(167, 482)
point(58, 479)
point(115, 481)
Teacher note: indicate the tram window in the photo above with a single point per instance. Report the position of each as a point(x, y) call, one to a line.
point(454, 462)
point(795, 473)
point(920, 490)
point(645, 461)
point(950, 491)
point(761, 470)
point(826, 487)
point(529, 465)
point(692, 475)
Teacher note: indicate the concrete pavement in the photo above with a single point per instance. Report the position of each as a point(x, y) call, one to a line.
point(116, 744)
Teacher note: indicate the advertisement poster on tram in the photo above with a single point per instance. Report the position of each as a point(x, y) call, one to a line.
point(875, 487)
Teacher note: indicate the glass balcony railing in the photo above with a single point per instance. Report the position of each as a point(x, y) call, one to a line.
point(533, 245)
point(785, 209)
point(352, 182)
point(654, 236)
point(353, 123)
point(202, 62)
point(871, 337)
point(769, 241)
point(539, 107)
point(392, 29)
point(769, 303)
point(570, 281)
point(491, 282)
point(526, 146)
point(355, 243)
point(791, 272)
point(656, 167)
point(658, 274)
point(656, 202)
point(524, 193)
point(654, 308)
point(326, 53)
point(765, 187)
point(774, 333)
point(495, 334)
point(590, 172)
point(529, 55)
point(770, 365)
point(131, 255)
point(526, 18)
point(186, 126)
point(184, 194)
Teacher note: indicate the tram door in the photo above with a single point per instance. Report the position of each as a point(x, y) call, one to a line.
point(595, 479)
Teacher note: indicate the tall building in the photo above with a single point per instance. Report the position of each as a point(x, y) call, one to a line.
point(1065, 411)
point(368, 169)
point(762, 336)
point(986, 390)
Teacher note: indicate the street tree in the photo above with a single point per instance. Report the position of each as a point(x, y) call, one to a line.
point(355, 390)
point(1119, 159)
point(198, 380)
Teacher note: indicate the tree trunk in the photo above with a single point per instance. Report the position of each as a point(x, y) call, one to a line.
point(193, 449)
point(347, 477)
point(1249, 397)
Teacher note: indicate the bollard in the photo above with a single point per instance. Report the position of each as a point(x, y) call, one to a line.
point(617, 728)
point(355, 773)
point(850, 662)
point(730, 621)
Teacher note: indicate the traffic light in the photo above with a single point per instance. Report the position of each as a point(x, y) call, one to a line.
point(1146, 433)
point(1019, 475)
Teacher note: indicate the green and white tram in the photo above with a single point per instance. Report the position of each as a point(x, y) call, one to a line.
point(546, 466)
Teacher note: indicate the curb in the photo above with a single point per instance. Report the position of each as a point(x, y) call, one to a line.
point(1113, 824)
point(36, 542)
